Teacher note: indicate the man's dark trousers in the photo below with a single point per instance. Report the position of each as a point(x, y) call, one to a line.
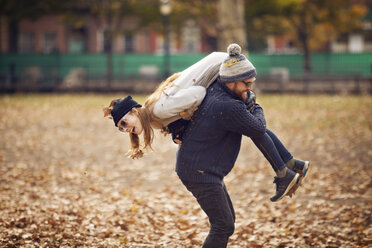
point(215, 201)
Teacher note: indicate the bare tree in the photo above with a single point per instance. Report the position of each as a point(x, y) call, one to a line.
point(231, 23)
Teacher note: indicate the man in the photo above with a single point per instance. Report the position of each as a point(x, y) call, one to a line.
point(212, 140)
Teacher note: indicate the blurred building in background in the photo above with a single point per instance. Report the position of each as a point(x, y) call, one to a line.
point(50, 34)
point(52, 53)
point(354, 42)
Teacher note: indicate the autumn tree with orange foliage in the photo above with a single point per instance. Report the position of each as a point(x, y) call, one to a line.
point(310, 24)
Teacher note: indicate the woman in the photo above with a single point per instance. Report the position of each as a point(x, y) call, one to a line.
point(175, 98)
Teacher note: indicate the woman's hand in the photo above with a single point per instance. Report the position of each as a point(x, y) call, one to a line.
point(179, 142)
point(177, 128)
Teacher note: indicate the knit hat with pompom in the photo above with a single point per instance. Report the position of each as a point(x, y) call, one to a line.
point(236, 67)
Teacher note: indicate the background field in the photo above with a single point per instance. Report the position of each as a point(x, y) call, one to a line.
point(65, 180)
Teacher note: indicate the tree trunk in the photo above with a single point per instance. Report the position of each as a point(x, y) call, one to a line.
point(166, 46)
point(307, 62)
point(1, 34)
point(109, 52)
point(231, 24)
point(303, 36)
point(13, 36)
point(109, 67)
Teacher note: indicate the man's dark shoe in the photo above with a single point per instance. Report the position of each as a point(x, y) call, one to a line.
point(284, 184)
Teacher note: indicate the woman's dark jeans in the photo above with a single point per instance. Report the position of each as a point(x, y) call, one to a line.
point(215, 201)
point(273, 150)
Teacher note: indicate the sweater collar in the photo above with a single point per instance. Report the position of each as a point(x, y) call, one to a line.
point(226, 89)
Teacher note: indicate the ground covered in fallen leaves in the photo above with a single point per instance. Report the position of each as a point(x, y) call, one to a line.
point(65, 180)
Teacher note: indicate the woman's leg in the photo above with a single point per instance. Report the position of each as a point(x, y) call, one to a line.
point(286, 179)
point(283, 152)
point(268, 148)
point(292, 163)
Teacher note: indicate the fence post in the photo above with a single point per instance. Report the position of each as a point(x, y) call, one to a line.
point(357, 84)
point(305, 81)
point(58, 73)
point(13, 77)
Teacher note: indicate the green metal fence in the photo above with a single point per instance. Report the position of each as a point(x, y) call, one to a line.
point(130, 65)
point(343, 63)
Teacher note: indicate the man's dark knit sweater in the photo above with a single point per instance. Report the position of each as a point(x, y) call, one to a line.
point(212, 140)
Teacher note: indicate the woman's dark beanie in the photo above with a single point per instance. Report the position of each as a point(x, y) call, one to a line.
point(121, 107)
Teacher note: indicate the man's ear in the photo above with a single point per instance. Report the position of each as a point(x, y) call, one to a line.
point(231, 85)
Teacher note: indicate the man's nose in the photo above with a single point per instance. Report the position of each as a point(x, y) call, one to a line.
point(249, 87)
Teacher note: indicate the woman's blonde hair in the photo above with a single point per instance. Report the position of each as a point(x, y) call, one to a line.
point(135, 150)
point(146, 117)
point(154, 97)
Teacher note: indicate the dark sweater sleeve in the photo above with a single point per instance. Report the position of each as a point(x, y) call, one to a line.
point(258, 113)
point(236, 118)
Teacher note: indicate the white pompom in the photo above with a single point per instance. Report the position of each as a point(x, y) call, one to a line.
point(234, 49)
